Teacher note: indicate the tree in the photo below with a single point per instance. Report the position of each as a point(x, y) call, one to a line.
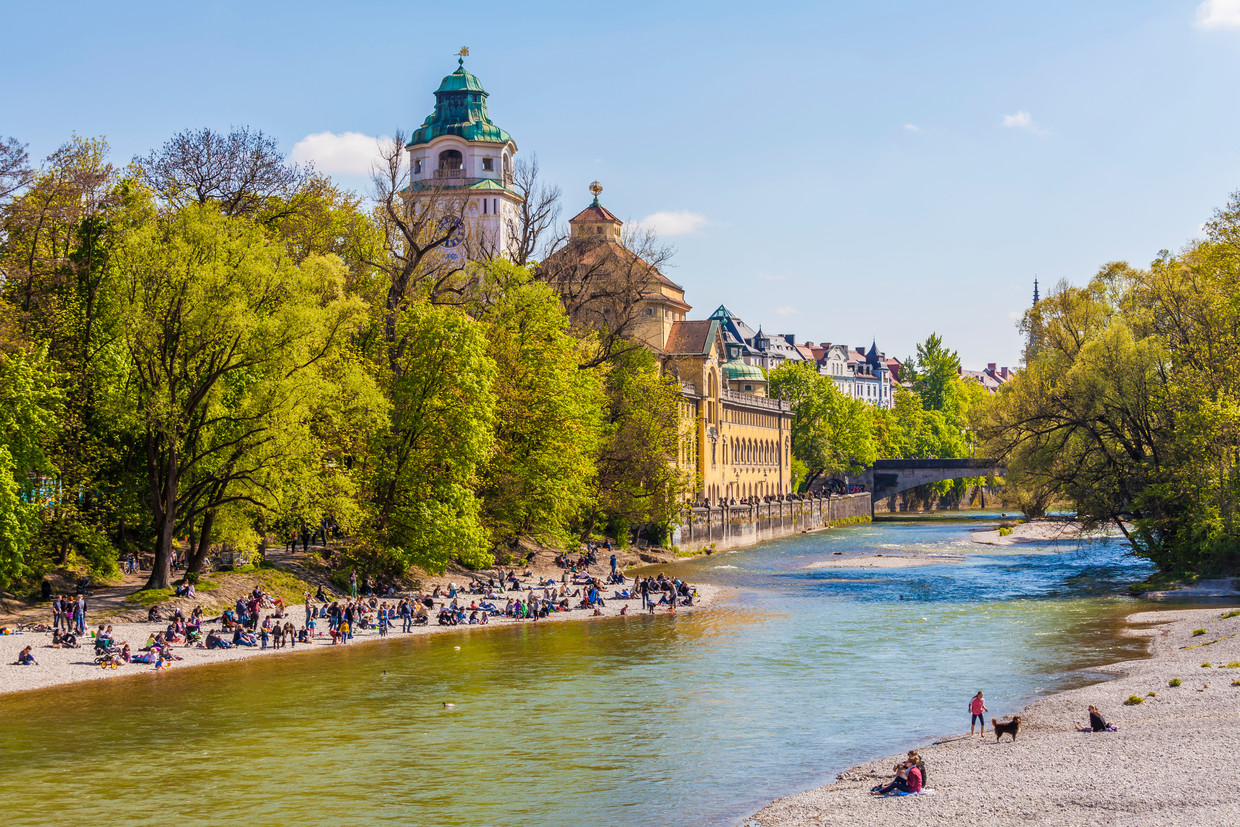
point(423, 468)
point(15, 169)
point(224, 335)
point(29, 401)
point(537, 215)
point(241, 172)
point(936, 375)
point(548, 424)
point(831, 433)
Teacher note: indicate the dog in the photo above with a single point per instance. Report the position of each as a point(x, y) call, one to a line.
point(1010, 727)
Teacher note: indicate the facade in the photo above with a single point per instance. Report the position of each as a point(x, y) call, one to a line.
point(461, 164)
point(867, 375)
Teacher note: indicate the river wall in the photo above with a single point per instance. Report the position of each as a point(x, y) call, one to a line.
point(735, 526)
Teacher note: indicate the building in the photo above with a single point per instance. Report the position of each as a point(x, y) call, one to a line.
point(736, 442)
point(868, 375)
point(461, 164)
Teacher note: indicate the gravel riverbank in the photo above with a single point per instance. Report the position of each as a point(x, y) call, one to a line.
point(1171, 762)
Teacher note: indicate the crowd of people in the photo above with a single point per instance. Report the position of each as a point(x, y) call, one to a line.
point(262, 620)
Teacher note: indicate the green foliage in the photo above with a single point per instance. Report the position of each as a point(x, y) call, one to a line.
point(548, 418)
point(1174, 682)
point(1232, 613)
point(831, 433)
point(423, 468)
point(1134, 700)
point(1198, 632)
point(937, 376)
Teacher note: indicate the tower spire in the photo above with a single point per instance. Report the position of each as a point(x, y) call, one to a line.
point(1035, 292)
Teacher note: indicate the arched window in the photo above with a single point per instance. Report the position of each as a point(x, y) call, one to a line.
point(450, 160)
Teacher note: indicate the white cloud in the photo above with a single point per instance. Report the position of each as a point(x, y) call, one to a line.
point(1219, 14)
point(786, 310)
point(674, 222)
point(1023, 120)
point(912, 127)
point(349, 153)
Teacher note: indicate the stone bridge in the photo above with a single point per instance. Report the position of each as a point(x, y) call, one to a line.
point(888, 477)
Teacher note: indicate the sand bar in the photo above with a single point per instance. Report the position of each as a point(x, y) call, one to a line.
point(1171, 762)
point(886, 561)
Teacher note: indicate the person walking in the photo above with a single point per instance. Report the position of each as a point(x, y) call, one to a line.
point(353, 584)
point(977, 706)
point(613, 565)
point(406, 616)
point(309, 609)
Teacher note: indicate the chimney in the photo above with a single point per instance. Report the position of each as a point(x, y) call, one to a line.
point(1003, 372)
point(990, 368)
point(790, 338)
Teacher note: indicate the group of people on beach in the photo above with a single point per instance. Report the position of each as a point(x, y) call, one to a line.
point(261, 620)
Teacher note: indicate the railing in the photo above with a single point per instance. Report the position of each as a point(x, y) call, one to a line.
point(752, 401)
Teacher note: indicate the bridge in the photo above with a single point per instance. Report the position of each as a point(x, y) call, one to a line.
point(888, 477)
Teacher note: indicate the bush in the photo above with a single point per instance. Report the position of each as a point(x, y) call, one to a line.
point(1198, 632)
point(1005, 530)
point(1235, 664)
point(1232, 613)
point(1133, 700)
point(1235, 683)
point(1205, 665)
point(1174, 682)
point(1151, 694)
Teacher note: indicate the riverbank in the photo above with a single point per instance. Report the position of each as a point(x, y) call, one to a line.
point(1169, 762)
point(64, 666)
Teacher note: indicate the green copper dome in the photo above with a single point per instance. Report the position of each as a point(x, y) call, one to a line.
point(460, 110)
point(736, 370)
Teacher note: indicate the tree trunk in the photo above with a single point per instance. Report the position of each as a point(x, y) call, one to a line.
point(161, 569)
point(164, 500)
point(199, 554)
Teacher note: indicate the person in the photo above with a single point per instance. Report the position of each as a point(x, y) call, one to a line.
point(899, 784)
point(917, 761)
point(58, 613)
point(353, 584)
point(977, 707)
point(25, 658)
point(613, 564)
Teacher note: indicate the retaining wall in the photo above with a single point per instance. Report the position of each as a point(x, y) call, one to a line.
point(736, 526)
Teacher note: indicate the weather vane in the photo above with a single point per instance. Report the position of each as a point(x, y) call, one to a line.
point(596, 188)
point(461, 55)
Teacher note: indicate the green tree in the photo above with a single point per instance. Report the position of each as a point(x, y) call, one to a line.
point(424, 467)
point(937, 373)
point(831, 433)
point(549, 417)
point(224, 335)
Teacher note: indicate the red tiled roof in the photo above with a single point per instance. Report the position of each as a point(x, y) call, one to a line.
point(594, 212)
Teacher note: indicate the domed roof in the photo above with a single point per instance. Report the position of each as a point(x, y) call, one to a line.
point(738, 370)
point(460, 110)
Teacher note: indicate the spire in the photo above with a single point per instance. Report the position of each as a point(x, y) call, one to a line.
point(1035, 292)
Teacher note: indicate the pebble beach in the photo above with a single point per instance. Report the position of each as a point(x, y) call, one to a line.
point(1172, 760)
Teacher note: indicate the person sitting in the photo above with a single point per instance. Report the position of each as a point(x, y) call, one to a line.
point(899, 784)
point(25, 658)
point(241, 637)
point(64, 640)
point(214, 641)
point(153, 615)
point(1096, 722)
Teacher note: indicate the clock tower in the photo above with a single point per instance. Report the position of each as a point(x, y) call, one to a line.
point(459, 157)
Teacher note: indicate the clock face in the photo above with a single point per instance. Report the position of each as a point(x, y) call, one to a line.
point(452, 224)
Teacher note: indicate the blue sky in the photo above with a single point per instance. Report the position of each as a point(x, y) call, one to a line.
point(841, 171)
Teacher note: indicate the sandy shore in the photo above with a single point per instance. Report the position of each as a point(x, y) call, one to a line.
point(60, 666)
point(1171, 762)
point(1040, 532)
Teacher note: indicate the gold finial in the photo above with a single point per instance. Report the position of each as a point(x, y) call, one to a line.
point(596, 188)
point(464, 52)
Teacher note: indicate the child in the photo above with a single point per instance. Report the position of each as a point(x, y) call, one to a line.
point(265, 634)
point(977, 706)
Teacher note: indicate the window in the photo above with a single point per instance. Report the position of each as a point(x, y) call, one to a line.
point(417, 167)
point(488, 164)
point(451, 159)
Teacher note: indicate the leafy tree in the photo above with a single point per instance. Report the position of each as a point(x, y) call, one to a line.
point(936, 375)
point(224, 335)
point(831, 433)
point(548, 424)
point(423, 468)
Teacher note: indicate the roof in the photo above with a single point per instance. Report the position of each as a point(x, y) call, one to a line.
point(591, 253)
point(594, 212)
point(460, 110)
point(735, 369)
point(489, 184)
point(692, 337)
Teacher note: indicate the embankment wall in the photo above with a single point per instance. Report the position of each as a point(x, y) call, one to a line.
point(736, 526)
point(924, 499)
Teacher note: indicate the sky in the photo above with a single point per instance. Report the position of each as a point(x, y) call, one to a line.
point(845, 172)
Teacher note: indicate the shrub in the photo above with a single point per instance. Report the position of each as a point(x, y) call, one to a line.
point(1198, 632)
point(1235, 683)
point(1235, 664)
point(1232, 613)
point(1205, 665)
point(1151, 694)
point(1004, 530)
point(1133, 700)
point(1174, 682)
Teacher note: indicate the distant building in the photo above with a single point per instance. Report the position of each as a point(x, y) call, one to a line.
point(858, 373)
point(992, 378)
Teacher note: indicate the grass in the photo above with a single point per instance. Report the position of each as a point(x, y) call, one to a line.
point(1134, 700)
point(149, 597)
point(1151, 694)
point(1164, 581)
point(1232, 613)
point(1235, 664)
point(1235, 683)
point(1005, 530)
point(1205, 665)
point(1174, 682)
point(1197, 632)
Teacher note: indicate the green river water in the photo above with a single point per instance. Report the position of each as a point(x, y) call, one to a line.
point(700, 718)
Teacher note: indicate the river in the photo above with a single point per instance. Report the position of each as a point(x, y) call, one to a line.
point(699, 718)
